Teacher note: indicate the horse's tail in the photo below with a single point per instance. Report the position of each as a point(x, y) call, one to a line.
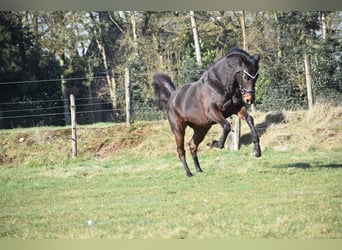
point(163, 88)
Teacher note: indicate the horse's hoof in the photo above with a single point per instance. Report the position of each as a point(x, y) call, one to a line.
point(189, 174)
point(256, 153)
point(215, 144)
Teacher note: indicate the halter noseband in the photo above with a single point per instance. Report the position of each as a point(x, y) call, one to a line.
point(243, 90)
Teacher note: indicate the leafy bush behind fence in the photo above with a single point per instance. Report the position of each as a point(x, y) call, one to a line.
point(26, 112)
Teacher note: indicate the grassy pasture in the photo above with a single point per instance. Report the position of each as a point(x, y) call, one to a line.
point(130, 184)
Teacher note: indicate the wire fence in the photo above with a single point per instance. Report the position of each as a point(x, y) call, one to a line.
point(100, 108)
point(293, 98)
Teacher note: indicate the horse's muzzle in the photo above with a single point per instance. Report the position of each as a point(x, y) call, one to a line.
point(248, 98)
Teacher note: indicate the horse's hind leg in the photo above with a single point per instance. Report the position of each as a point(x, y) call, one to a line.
point(181, 151)
point(197, 138)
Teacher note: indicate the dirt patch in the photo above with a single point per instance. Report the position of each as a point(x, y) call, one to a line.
point(116, 138)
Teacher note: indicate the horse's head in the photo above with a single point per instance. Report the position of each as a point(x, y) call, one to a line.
point(247, 76)
point(246, 72)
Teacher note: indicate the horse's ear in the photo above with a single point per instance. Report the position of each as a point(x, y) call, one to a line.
point(256, 58)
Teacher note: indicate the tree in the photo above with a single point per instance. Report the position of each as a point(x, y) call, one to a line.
point(326, 58)
point(243, 30)
point(98, 22)
point(77, 51)
point(22, 66)
point(196, 39)
point(59, 38)
point(294, 34)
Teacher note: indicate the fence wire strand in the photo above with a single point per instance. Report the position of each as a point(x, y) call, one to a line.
point(141, 107)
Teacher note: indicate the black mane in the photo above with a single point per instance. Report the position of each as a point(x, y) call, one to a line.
point(238, 51)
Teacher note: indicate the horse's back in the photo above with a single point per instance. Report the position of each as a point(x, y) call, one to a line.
point(181, 96)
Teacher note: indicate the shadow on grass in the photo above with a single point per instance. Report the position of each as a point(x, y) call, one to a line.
point(271, 118)
point(303, 165)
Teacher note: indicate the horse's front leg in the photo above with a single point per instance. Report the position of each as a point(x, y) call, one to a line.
point(216, 116)
point(225, 131)
point(243, 114)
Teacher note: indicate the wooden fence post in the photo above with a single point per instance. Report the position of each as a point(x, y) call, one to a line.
point(308, 78)
point(73, 125)
point(233, 140)
point(127, 97)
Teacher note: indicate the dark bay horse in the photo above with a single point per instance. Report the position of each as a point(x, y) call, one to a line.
point(223, 89)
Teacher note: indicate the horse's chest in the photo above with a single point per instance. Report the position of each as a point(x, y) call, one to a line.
point(232, 106)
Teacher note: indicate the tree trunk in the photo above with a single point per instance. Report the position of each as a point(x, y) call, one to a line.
point(134, 29)
point(244, 43)
point(109, 72)
point(243, 29)
point(112, 89)
point(91, 104)
point(36, 29)
point(279, 52)
point(196, 39)
point(324, 26)
point(64, 91)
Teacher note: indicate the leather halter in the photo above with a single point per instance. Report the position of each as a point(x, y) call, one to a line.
point(242, 89)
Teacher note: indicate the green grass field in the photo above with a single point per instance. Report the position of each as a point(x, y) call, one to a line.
point(133, 186)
